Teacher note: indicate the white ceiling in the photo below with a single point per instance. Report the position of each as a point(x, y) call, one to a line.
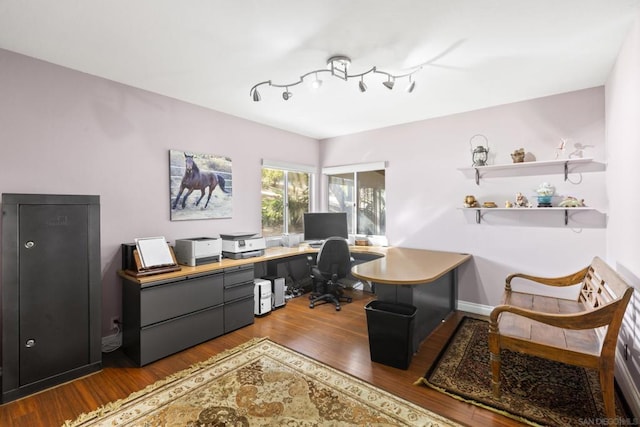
point(211, 52)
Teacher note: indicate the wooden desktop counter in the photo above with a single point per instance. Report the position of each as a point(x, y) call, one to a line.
point(423, 278)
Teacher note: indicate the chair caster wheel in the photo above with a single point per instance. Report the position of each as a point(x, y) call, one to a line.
point(349, 299)
point(337, 308)
point(311, 305)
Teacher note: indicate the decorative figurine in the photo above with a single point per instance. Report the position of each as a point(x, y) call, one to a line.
point(518, 155)
point(480, 154)
point(571, 202)
point(508, 204)
point(545, 192)
point(470, 202)
point(489, 205)
point(521, 200)
point(560, 149)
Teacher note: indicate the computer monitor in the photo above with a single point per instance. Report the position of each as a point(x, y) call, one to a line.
point(322, 225)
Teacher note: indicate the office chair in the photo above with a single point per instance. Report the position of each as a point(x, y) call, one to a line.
point(332, 263)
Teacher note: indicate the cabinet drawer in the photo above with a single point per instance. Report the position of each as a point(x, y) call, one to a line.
point(162, 302)
point(238, 314)
point(238, 290)
point(240, 274)
point(165, 338)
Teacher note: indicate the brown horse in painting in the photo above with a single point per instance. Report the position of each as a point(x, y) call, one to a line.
point(193, 179)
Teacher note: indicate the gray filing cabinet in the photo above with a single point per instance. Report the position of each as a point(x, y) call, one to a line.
point(166, 316)
point(238, 297)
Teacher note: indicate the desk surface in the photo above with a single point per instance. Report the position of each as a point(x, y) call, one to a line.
point(404, 266)
point(400, 266)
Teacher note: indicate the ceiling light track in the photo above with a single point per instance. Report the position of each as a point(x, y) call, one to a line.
point(338, 66)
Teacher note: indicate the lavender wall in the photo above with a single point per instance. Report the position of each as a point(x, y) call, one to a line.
point(66, 132)
point(623, 234)
point(425, 190)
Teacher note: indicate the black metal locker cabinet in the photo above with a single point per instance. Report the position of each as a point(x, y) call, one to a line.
point(50, 289)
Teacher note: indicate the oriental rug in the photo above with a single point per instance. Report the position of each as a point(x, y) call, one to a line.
point(534, 391)
point(261, 383)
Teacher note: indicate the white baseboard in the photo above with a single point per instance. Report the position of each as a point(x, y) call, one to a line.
point(627, 386)
point(472, 307)
point(623, 376)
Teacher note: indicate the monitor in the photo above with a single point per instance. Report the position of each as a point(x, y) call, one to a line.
point(322, 225)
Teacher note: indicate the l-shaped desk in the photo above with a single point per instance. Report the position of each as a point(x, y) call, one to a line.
point(425, 279)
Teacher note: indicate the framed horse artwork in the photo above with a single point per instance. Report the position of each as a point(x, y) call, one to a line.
point(200, 186)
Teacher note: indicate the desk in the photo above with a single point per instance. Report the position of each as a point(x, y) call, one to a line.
point(425, 279)
point(193, 300)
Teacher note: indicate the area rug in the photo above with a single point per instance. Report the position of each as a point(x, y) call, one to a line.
point(534, 391)
point(261, 383)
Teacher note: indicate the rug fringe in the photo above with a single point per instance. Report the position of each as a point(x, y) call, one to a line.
point(112, 406)
point(424, 381)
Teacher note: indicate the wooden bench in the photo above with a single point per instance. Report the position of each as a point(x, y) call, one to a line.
point(582, 332)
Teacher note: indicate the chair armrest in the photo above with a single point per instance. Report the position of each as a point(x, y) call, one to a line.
point(588, 319)
point(568, 280)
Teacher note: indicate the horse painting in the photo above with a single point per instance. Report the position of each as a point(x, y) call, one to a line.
point(194, 179)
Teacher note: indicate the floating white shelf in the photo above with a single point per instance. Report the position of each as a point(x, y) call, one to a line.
point(546, 167)
point(592, 218)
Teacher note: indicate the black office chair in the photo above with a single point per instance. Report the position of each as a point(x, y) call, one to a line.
point(332, 263)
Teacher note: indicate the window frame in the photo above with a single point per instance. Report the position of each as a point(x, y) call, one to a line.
point(352, 169)
point(287, 167)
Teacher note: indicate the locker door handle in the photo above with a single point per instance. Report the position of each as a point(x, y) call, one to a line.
point(29, 244)
point(30, 343)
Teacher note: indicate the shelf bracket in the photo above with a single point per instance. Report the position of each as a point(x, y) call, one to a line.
point(478, 176)
point(566, 171)
point(478, 216)
point(566, 217)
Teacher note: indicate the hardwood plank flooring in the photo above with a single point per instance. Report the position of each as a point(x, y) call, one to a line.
point(337, 338)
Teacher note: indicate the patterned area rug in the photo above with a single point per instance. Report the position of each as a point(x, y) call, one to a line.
point(534, 390)
point(261, 383)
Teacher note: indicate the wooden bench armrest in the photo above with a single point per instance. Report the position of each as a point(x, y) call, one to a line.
point(588, 319)
point(568, 280)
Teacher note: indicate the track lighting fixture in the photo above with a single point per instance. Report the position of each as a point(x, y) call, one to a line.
point(338, 66)
point(316, 83)
point(389, 83)
point(412, 84)
point(362, 85)
point(256, 95)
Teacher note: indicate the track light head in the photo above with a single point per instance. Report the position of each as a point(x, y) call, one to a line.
point(286, 95)
point(256, 95)
point(389, 84)
point(362, 86)
point(411, 86)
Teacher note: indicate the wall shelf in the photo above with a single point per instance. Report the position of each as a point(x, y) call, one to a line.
point(589, 217)
point(547, 167)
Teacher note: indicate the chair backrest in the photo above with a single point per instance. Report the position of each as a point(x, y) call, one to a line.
point(334, 258)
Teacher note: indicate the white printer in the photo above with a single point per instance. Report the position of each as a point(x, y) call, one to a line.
point(242, 245)
point(198, 250)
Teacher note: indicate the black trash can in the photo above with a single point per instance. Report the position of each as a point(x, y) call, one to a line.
point(390, 327)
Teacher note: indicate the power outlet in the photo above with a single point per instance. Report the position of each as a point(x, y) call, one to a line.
point(115, 322)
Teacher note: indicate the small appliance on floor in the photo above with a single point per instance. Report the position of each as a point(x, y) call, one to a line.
point(261, 297)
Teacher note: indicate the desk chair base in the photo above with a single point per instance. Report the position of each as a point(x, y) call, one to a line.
point(334, 298)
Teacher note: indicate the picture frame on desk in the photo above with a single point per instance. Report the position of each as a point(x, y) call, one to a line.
point(200, 186)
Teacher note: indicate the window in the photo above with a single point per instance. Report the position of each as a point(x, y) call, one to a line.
point(360, 192)
point(285, 198)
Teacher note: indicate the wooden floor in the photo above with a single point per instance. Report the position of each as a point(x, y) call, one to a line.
point(338, 339)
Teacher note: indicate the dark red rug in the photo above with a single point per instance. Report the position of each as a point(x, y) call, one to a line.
point(534, 390)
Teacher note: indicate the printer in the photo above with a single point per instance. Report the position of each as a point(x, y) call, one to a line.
point(198, 250)
point(242, 245)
